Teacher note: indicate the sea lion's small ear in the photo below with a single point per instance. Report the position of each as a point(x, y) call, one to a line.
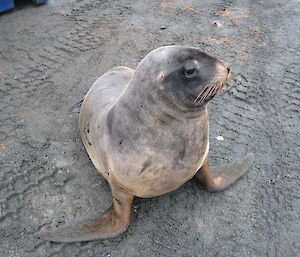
point(161, 76)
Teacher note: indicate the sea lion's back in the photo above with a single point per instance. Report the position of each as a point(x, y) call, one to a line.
point(100, 98)
point(107, 88)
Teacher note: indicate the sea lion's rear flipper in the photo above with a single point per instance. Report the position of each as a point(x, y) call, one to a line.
point(216, 179)
point(109, 224)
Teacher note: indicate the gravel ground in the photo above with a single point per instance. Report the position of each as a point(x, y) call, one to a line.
point(51, 55)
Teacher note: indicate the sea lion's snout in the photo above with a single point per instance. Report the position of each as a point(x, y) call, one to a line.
point(214, 75)
point(223, 67)
point(227, 70)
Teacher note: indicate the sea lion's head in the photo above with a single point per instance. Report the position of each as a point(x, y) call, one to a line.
point(186, 75)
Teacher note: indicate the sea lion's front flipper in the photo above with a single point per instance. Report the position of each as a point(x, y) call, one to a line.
point(109, 224)
point(216, 179)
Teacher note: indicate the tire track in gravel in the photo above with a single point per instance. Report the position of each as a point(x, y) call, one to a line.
point(34, 77)
point(279, 60)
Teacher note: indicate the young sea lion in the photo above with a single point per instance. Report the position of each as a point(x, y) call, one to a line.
point(146, 132)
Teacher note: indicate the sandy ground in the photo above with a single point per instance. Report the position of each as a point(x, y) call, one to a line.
point(51, 55)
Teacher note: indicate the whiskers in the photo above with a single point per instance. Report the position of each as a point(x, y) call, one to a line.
point(213, 87)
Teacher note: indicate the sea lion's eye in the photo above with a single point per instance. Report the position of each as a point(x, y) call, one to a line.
point(190, 73)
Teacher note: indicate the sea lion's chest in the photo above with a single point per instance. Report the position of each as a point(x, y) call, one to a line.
point(160, 160)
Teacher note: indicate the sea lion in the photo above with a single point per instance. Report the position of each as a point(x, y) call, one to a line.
point(146, 132)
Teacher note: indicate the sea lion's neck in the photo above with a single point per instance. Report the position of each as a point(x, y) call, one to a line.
point(142, 113)
point(148, 102)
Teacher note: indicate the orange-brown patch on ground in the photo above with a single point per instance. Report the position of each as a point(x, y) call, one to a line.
point(191, 9)
point(240, 44)
point(222, 39)
point(234, 14)
point(6, 143)
point(165, 5)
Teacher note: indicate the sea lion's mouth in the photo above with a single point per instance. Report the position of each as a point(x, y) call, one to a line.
point(221, 87)
point(209, 91)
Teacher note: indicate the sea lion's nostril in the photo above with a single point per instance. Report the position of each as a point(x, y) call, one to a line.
point(228, 73)
point(222, 65)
